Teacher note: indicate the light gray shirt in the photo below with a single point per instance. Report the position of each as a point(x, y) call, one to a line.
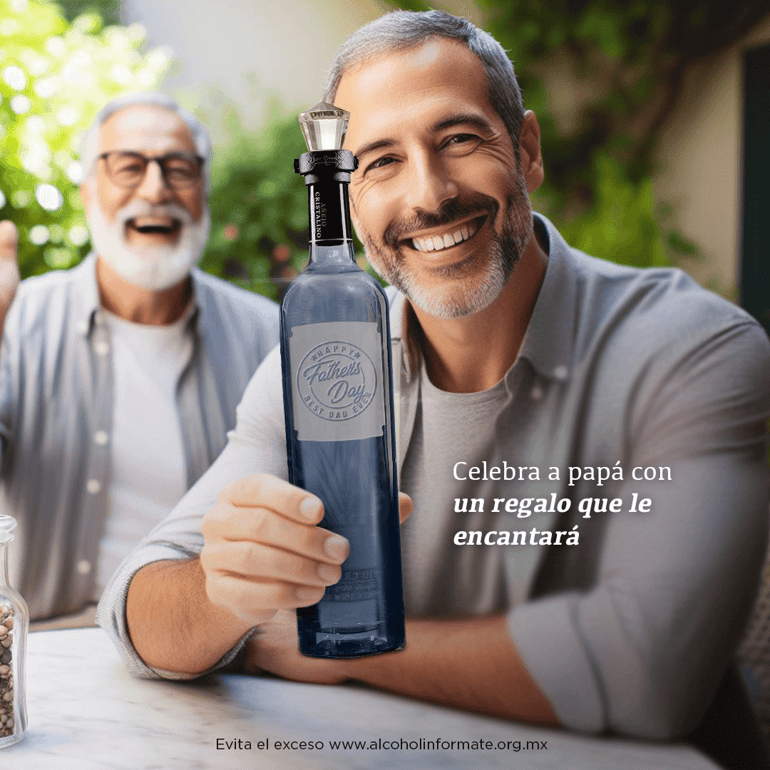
point(631, 629)
point(56, 393)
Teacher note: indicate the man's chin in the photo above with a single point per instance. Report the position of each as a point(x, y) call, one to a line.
point(152, 269)
point(445, 305)
point(455, 291)
point(137, 242)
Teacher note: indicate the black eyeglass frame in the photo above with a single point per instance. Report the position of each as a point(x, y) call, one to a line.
point(161, 160)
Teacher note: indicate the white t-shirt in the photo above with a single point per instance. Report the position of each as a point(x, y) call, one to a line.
point(148, 476)
point(449, 428)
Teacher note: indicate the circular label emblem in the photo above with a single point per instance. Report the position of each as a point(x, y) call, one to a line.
point(336, 380)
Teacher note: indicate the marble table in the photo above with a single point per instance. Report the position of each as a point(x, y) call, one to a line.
point(87, 713)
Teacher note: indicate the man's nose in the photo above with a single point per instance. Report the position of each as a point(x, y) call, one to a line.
point(430, 183)
point(153, 187)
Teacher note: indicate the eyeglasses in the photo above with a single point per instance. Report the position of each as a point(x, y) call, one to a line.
point(127, 169)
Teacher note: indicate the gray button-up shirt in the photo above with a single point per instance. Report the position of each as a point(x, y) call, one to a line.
point(56, 393)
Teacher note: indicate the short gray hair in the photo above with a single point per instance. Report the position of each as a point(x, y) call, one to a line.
point(401, 30)
point(90, 146)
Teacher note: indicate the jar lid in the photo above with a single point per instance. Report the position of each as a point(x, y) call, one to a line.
point(7, 525)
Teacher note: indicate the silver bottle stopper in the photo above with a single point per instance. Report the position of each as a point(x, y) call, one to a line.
point(324, 127)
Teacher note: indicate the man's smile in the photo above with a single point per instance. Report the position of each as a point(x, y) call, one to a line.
point(155, 224)
point(449, 235)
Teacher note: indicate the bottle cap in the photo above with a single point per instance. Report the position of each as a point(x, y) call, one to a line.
point(324, 127)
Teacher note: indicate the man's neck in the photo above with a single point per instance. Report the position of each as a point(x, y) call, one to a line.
point(471, 354)
point(129, 302)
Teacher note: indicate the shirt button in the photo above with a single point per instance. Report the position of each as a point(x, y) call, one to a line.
point(101, 437)
point(83, 327)
point(83, 566)
point(102, 348)
point(561, 372)
point(93, 486)
point(536, 393)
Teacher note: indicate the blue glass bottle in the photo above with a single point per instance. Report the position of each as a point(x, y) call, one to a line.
point(338, 403)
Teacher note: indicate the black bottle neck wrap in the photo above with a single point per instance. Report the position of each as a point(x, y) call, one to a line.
point(327, 175)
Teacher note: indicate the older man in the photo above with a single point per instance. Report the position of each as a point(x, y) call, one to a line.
point(120, 378)
point(512, 348)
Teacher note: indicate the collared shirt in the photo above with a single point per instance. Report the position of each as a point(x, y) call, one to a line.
point(56, 392)
point(620, 369)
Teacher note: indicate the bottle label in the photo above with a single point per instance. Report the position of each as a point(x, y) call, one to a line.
point(337, 390)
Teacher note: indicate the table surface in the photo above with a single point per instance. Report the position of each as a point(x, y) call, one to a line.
point(87, 713)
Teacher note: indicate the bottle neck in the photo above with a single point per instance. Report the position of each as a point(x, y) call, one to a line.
point(330, 233)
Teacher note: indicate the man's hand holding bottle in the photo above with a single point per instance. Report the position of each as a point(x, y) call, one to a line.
point(264, 551)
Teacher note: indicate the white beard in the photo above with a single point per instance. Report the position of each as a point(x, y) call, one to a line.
point(149, 267)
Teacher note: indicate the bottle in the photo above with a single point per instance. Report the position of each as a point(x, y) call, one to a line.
point(338, 406)
point(14, 622)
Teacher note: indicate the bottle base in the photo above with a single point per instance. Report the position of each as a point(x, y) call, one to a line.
point(320, 644)
point(9, 740)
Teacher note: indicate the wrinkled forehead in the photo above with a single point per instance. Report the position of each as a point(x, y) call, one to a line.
point(146, 128)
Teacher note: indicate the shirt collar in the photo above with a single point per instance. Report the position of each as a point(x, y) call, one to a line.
point(548, 341)
point(85, 278)
point(402, 331)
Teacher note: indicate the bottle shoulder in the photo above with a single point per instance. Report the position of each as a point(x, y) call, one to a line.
point(310, 283)
point(313, 298)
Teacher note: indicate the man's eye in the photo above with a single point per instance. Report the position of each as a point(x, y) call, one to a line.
point(181, 170)
point(380, 163)
point(462, 142)
point(129, 168)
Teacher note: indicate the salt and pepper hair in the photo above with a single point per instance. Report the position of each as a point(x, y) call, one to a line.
point(401, 30)
point(91, 145)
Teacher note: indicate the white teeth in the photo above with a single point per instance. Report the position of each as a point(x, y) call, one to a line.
point(439, 242)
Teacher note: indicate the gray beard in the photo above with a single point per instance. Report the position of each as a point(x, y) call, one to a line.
point(152, 268)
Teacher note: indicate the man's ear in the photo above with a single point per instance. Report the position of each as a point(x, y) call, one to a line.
point(529, 149)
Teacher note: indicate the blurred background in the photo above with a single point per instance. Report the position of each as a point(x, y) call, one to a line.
point(655, 117)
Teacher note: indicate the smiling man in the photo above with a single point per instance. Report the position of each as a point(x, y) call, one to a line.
point(120, 378)
point(509, 347)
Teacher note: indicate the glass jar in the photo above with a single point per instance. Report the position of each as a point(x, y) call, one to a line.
point(14, 621)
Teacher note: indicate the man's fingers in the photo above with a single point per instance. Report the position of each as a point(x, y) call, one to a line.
point(9, 240)
point(265, 491)
point(262, 562)
point(251, 600)
point(262, 525)
point(405, 506)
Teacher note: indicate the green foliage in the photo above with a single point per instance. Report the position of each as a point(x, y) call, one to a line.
point(622, 225)
point(259, 207)
point(54, 78)
point(257, 202)
point(109, 10)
